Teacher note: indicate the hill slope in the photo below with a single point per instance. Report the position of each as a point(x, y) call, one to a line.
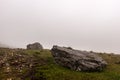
point(3, 45)
point(19, 64)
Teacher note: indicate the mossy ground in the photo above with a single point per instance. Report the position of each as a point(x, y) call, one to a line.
point(51, 71)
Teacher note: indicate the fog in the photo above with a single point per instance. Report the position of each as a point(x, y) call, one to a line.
point(81, 24)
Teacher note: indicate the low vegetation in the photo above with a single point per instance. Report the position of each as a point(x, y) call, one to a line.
point(44, 68)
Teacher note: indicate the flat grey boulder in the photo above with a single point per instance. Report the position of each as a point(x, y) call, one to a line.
point(77, 60)
point(35, 46)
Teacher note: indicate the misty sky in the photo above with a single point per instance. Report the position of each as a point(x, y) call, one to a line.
point(81, 24)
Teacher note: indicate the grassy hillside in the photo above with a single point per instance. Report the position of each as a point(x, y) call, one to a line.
point(48, 70)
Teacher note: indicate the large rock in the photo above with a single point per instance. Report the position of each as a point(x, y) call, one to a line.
point(77, 60)
point(35, 46)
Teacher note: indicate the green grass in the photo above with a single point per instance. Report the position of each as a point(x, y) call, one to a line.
point(52, 71)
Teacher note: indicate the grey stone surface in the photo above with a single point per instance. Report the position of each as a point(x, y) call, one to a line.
point(35, 46)
point(77, 60)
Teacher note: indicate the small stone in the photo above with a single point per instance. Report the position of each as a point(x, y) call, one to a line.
point(35, 46)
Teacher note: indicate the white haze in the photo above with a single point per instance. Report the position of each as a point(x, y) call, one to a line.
point(81, 24)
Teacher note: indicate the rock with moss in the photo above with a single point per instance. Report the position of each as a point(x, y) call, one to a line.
point(78, 60)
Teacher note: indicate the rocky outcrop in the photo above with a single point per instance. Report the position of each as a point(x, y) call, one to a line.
point(35, 46)
point(17, 64)
point(77, 60)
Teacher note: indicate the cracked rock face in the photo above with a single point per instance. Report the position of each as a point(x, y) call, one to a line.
point(77, 60)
